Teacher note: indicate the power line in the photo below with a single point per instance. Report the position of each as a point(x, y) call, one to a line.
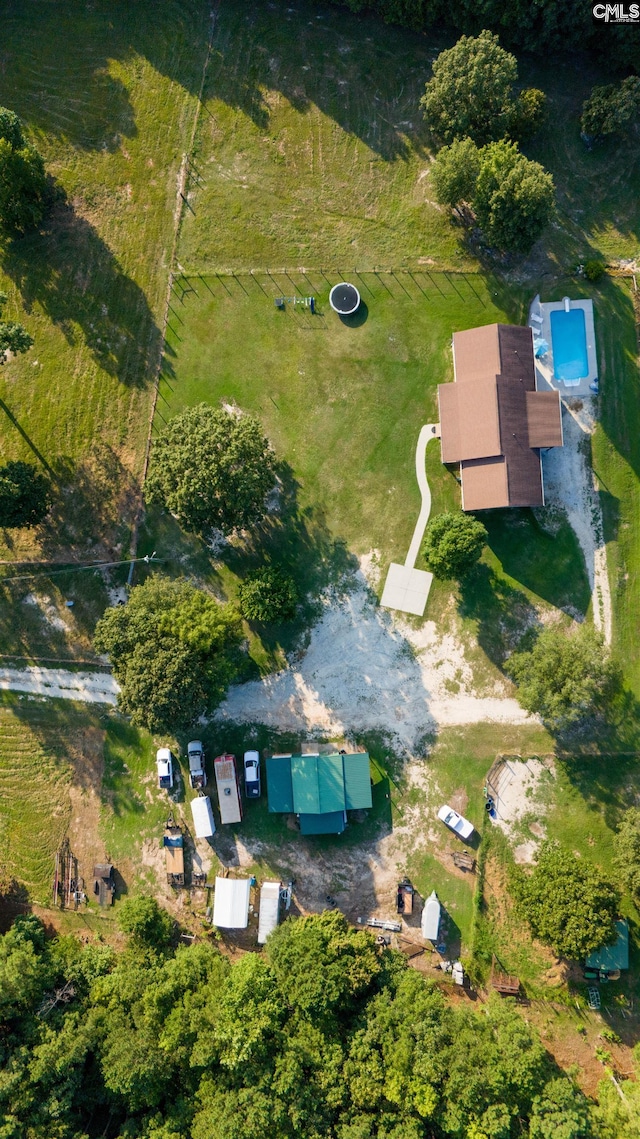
point(148, 558)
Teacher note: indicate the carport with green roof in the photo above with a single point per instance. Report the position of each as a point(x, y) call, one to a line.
point(320, 789)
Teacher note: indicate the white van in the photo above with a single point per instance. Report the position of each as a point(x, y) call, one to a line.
point(203, 816)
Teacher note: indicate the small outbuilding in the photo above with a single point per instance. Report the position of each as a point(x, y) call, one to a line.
point(231, 903)
point(104, 884)
point(319, 789)
point(269, 916)
point(609, 961)
point(430, 923)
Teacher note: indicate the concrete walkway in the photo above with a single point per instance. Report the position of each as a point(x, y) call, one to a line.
point(88, 687)
point(406, 588)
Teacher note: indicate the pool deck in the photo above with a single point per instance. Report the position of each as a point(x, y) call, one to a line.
point(540, 322)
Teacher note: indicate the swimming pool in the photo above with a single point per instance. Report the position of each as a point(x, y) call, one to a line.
point(569, 339)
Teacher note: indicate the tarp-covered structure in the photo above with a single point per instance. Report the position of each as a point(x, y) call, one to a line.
point(231, 903)
point(320, 789)
point(612, 958)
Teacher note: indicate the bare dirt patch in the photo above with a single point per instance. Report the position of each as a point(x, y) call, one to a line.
point(519, 791)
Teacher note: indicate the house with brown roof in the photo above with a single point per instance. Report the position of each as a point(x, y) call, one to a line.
point(494, 422)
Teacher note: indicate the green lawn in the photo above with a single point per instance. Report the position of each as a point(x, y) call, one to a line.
point(108, 93)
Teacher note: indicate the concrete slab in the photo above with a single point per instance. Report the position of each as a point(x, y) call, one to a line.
point(406, 589)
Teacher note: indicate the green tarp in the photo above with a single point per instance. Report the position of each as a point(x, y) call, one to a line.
point(612, 957)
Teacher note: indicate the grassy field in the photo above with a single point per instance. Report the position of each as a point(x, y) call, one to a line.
point(109, 97)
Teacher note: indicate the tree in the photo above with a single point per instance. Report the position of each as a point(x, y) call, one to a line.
point(514, 197)
point(469, 93)
point(144, 921)
point(611, 109)
point(14, 337)
point(566, 679)
point(568, 903)
point(23, 182)
point(560, 1112)
point(25, 495)
point(627, 852)
point(323, 964)
point(454, 172)
point(269, 594)
point(453, 544)
point(212, 469)
point(174, 651)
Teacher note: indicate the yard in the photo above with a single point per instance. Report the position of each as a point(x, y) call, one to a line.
point(309, 151)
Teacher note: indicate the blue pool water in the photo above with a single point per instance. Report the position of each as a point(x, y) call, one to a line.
point(569, 337)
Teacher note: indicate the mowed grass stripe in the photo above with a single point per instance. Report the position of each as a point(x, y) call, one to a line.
point(34, 802)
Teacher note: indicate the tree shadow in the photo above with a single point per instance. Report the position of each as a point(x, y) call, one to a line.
point(299, 541)
point(68, 271)
point(94, 503)
point(500, 612)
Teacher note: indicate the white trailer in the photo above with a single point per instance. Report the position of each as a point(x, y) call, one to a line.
point(228, 789)
point(203, 816)
point(269, 915)
point(430, 923)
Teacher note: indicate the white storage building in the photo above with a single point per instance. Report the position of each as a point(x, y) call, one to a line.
point(269, 910)
point(231, 903)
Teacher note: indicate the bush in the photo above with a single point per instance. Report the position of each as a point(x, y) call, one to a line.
point(565, 679)
point(527, 114)
point(145, 922)
point(568, 903)
point(611, 109)
point(25, 495)
point(212, 469)
point(173, 650)
point(453, 544)
point(454, 172)
point(268, 595)
point(594, 270)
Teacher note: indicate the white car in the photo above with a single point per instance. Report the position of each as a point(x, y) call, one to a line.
point(252, 774)
point(164, 767)
point(456, 822)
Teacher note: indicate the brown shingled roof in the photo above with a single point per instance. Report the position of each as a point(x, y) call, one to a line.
point(493, 421)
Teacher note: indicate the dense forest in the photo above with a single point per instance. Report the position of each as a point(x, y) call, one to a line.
point(547, 25)
point(323, 1035)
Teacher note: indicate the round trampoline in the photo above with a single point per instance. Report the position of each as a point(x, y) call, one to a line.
point(344, 299)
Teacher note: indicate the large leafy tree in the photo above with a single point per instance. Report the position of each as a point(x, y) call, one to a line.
point(566, 679)
point(174, 651)
point(25, 495)
point(627, 852)
point(469, 93)
point(213, 469)
point(514, 197)
point(453, 544)
point(23, 182)
point(568, 903)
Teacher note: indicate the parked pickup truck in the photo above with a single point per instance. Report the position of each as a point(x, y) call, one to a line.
point(197, 772)
point(164, 768)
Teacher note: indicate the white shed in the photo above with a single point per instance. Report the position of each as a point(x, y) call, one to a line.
point(231, 903)
point(269, 910)
point(203, 816)
point(431, 918)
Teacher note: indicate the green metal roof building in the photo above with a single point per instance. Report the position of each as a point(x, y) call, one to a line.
point(612, 958)
point(320, 789)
